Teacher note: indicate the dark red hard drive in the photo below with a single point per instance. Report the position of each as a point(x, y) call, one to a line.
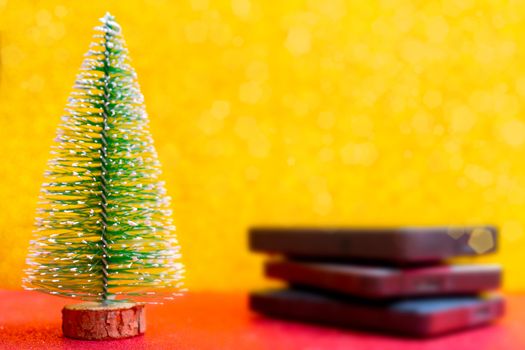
point(387, 282)
point(395, 245)
point(418, 317)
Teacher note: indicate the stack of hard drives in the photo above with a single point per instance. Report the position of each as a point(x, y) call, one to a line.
point(390, 280)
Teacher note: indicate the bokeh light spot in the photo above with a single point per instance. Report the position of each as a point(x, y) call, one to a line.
point(512, 132)
point(437, 28)
point(196, 32)
point(359, 154)
point(481, 240)
point(456, 232)
point(462, 119)
point(241, 8)
point(298, 40)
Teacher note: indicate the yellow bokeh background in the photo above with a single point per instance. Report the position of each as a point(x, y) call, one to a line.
point(319, 112)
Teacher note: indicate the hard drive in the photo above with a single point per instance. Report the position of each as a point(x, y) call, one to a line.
point(387, 282)
point(418, 317)
point(394, 245)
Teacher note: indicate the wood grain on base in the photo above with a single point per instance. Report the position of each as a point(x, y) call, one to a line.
point(95, 321)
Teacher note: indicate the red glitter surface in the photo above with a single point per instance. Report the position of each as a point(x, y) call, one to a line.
point(29, 320)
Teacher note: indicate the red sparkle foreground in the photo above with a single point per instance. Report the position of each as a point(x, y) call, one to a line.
point(29, 320)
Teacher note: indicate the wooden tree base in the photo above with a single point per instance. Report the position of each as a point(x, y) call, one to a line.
point(96, 321)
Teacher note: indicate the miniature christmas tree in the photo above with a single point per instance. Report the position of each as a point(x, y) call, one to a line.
point(104, 229)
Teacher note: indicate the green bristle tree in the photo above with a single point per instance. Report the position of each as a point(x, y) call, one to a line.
point(104, 230)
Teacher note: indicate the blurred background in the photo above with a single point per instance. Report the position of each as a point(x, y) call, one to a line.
point(319, 112)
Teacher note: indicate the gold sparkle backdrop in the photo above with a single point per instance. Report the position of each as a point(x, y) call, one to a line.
point(324, 112)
